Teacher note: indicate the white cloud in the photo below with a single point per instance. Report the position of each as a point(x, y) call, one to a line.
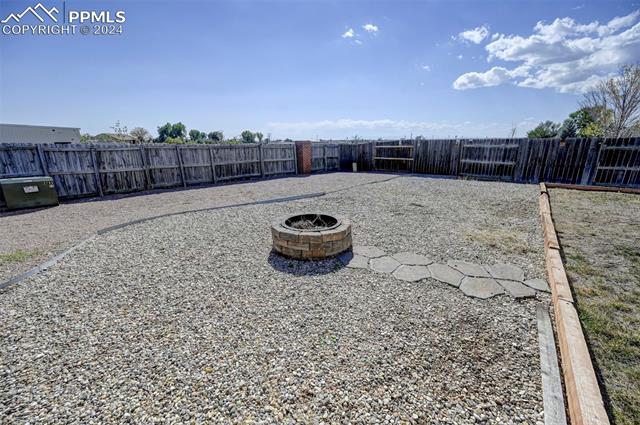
point(475, 35)
point(563, 55)
point(460, 57)
point(350, 33)
point(426, 67)
point(357, 41)
point(370, 28)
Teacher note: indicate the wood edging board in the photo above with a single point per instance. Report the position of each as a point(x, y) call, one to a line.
point(591, 188)
point(584, 399)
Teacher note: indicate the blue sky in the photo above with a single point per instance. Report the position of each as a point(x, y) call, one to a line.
point(322, 69)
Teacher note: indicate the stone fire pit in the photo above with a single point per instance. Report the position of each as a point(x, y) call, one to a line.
point(311, 236)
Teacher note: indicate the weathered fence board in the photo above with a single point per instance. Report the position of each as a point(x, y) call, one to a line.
point(96, 169)
point(325, 157)
point(81, 170)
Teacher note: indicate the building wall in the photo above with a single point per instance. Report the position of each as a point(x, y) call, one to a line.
point(16, 133)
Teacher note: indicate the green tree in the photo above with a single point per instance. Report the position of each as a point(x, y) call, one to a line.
point(248, 137)
point(259, 136)
point(544, 130)
point(197, 136)
point(174, 140)
point(177, 130)
point(568, 129)
point(215, 136)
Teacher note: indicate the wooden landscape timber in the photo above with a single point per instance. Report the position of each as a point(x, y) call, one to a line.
point(586, 406)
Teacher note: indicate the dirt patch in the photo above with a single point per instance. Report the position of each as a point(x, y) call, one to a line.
point(600, 237)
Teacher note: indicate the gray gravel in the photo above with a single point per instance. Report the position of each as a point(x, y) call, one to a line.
point(190, 318)
point(45, 232)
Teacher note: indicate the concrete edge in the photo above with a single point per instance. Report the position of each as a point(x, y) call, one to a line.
point(586, 406)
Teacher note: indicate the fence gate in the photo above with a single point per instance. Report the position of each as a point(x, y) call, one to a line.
point(489, 159)
point(397, 157)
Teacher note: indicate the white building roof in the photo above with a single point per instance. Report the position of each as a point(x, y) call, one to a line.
point(17, 133)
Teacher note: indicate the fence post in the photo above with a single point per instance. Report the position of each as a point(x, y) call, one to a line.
point(43, 163)
point(295, 158)
point(96, 171)
point(454, 165)
point(414, 147)
point(521, 159)
point(213, 165)
point(147, 174)
point(591, 164)
point(261, 156)
point(372, 161)
point(179, 155)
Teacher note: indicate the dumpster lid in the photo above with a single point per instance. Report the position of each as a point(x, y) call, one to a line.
point(34, 179)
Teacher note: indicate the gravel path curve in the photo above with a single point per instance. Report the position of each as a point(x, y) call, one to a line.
point(191, 318)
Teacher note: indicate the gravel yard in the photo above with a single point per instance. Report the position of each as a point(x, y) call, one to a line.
point(192, 318)
point(30, 237)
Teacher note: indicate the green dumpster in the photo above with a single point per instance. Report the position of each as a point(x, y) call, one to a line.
point(28, 192)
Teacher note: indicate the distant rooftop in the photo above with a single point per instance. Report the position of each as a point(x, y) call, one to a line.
point(20, 133)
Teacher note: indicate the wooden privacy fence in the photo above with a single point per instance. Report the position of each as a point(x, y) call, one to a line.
point(325, 157)
point(597, 161)
point(95, 170)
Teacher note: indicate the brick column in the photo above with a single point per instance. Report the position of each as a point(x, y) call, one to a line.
point(303, 153)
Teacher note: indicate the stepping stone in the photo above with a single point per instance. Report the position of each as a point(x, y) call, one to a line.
point(506, 271)
point(411, 259)
point(411, 273)
point(539, 284)
point(384, 264)
point(368, 251)
point(356, 262)
point(469, 269)
point(445, 274)
point(517, 289)
point(480, 287)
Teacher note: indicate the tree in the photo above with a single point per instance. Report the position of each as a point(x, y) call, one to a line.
point(248, 137)
point(118, 129)
point(216, 136)
point(544, 130)
point(141, 135)
point(616, 103)
point(197, 136)
point(568, 129)
point(174, 140)
point(177, 130)
point(259, 136)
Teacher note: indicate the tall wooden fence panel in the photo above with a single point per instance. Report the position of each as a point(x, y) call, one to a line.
point(325, 157)
point(359, 153)
point(81, 170)
point(618, 163)
point(491, 159)
point(437, 157)
point(395, 157)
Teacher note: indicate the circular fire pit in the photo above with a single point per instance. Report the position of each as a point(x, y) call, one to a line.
point(311, 236)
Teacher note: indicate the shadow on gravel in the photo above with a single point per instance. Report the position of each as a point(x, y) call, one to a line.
point(304, 267)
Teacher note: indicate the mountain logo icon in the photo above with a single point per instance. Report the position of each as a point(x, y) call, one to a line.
point(34, 11)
